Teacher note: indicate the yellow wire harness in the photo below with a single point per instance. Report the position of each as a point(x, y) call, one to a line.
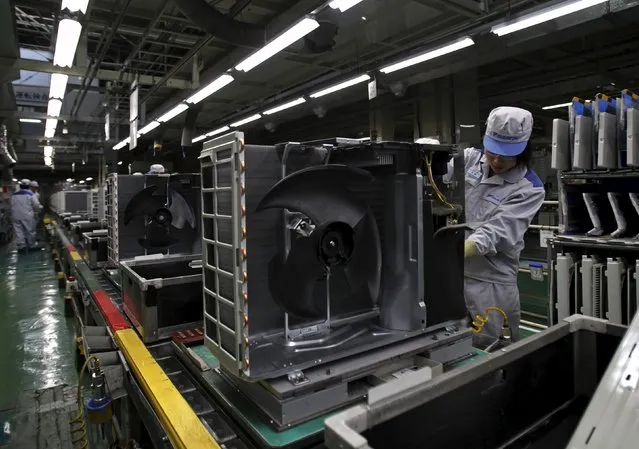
point(480, 321)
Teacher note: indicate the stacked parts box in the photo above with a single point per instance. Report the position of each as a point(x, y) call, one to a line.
point(162, 217)
point(162, 295)
point(95, 248)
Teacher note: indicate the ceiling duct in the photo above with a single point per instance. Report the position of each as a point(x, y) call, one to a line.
point(236, 32)
point(189, 126)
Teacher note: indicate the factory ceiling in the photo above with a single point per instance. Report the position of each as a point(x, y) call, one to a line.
point(167, 46)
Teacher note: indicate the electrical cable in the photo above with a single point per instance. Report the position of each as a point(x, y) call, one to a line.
point(82, 441)
point(438, 193)
point(480, 321)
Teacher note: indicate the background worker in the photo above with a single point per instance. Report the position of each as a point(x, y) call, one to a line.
point(24, 212)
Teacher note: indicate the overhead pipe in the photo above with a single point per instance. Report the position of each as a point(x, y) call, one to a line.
point(8, 157)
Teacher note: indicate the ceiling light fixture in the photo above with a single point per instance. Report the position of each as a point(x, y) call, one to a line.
point(210, 88)
point(119, 162)
point(51, 123)
point(48, 161)
point(284, 106)
point(177, 110)
point(340, 86)
point(343, 5)
point(58, 85)
point(122, 143)
point(54, 108)
point(430, 54)
point(148, 128)
point(557, 106)
point(246, 120)
point(218, 131)
point(75, 5)
point(81, 181)
point(48, 151)
point(543, 15)
point(30, 120)
point(49, 133)
point(69, 179)
point(287, 38)
point(66, 42)
point(198, 138)
point(89, 178)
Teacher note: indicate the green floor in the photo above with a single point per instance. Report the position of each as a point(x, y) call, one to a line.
point(36, 340)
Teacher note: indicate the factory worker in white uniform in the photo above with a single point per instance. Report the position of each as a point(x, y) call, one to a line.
point(503, 194)
point(24, 210)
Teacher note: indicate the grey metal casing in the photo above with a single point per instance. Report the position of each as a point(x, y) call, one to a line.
point(582, 154)
point(560, 144)
point(607, 156)
point(632, 136)
point(244, 326)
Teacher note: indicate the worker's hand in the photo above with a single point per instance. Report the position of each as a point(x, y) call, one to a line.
point(470, 249)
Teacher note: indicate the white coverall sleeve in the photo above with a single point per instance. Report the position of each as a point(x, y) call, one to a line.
point(448, 177)
point(37, 207)
point(507, 226)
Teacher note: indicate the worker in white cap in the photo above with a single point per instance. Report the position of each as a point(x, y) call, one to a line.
point(156, 169)
point(34, 188)
point(24, 212)
point(503, 194)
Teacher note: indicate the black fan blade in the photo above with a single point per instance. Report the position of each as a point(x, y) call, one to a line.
point(364, 269)
point(157, 237)
point(292, 282)
point(321, 193)
point(180, 210)
point(145, 202)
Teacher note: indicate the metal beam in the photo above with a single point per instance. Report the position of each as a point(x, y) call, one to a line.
point(43, 116)
point(105, 75)
point(67, 139)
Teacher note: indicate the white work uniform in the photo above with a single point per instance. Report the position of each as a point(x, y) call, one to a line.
point(500, 209)
point(24, 211)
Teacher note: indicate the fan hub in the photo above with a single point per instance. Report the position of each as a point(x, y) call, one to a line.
point(163, 216)
point(336, 244)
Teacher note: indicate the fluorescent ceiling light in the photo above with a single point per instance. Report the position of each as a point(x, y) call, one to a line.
point(431, 54)
point(210, 88)
point(246, 120)
point(51, 123)
point(54, 108)
point(340, 86)
point(148, 128)
point(288, 105)
point(122, 143)
point(89, 178)
point(343, 5)
point(288, 37)
point(69, 179)
point(48, 151)
point(557, 106)
point(218, 131)
point(49, 133)
point(58, 85)
point(30, 120)
point(67, 42)
point(198, 138)
point(119, 162)
point(75, 5)
point(81, 181)
point(180, 108)
point(48, 161)
point(543, 15)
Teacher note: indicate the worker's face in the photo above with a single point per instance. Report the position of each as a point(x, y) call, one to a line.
point(500, 164)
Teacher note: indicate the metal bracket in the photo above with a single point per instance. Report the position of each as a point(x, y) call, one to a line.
point(297, 378)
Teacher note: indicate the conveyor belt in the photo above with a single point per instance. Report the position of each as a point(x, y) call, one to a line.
point(202, 404)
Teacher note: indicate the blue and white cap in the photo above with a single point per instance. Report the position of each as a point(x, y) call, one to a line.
point(508, 131)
